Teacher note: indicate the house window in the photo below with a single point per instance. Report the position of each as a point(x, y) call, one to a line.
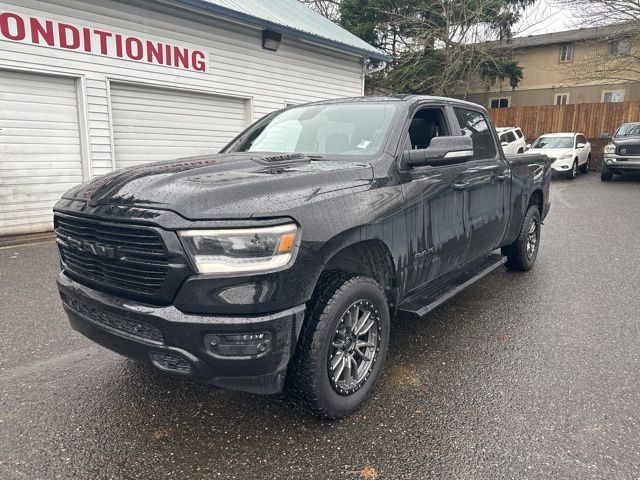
point(500, 102)
point(612, 96)
point(566, 53)
point(562, 98)
point(619, 47)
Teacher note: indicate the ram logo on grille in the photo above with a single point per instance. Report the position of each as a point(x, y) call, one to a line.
point(93, 248)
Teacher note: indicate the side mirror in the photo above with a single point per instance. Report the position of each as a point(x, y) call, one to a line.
point(527, 147)
point(441, 151)
point(606, 136)
point(581, 145)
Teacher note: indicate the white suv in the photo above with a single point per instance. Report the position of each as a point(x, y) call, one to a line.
point(572, 152)
point(512, 140)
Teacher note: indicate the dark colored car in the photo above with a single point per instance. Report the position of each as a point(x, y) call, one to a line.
point(622, 154)
point(281, 261)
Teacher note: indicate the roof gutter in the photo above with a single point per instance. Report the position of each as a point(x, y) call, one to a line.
point(240, 17)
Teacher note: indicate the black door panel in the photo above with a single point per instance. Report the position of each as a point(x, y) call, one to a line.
point(434, 213)
point(486, 213)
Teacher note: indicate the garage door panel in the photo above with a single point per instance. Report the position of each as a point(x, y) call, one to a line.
point(151, 124)
point(40, 153)
point(38, 115)
point(27, 180)
point(160, 115)
point(40, 96)
point(186, 108)
point(25, 149)
point(15, 126)
point(31, 164)
point(28, 202)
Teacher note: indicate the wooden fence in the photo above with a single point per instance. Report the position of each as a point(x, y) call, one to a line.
point(592, 119)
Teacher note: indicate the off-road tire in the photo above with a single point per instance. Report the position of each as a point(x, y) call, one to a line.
point(517, 255)
point(307, 382)
point(606, 174)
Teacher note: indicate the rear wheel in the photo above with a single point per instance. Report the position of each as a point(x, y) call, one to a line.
point(342, 345)
point(522, 254)
point(606, 174)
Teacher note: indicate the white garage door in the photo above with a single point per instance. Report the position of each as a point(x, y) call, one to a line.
point(40, 155)
point(151, 124)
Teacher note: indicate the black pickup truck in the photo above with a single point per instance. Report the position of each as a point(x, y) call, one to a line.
point(281, 261)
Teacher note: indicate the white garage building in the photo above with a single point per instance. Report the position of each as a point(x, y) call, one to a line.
point(89, 86)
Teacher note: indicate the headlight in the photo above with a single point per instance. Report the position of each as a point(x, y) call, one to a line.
point(566, 155)
point(610, 149)
point(242, 250)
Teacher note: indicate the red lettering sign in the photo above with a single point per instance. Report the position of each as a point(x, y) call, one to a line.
point(50, 33)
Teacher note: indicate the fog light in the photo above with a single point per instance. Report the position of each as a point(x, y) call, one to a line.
point(238, 345)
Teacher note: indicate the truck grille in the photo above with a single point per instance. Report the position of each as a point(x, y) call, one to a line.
point(633, 149)
point(126, 257)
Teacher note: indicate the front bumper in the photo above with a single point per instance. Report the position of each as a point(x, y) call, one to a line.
point(617, 162)
point(562, 165)
point(176, 342)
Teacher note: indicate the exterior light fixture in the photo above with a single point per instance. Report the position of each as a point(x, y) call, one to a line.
point(271, 40)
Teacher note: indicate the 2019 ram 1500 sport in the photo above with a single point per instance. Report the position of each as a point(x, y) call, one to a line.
point(281, 261)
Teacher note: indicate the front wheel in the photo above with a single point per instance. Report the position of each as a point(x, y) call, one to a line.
point(606, 174)
point(573, 173)
point(585, 168)
point(342, 346)
point(522, 254)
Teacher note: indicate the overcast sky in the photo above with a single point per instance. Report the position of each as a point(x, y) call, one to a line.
point(544, 17)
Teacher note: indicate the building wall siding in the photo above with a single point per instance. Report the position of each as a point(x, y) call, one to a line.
point(237, 64)
point(545, 76)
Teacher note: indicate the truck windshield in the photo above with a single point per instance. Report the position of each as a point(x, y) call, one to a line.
point(628, 130)
point(553, 142)
point(349, 129)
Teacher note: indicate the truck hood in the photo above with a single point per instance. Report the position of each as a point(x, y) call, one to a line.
point(621, 141)
point(226, 186)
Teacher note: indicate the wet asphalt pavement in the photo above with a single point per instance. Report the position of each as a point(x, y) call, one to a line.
point(533, 375)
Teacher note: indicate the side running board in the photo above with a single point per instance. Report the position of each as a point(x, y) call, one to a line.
point(422, 302)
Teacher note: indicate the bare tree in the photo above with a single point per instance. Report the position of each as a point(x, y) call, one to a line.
point(613, 56)
point(327, 8)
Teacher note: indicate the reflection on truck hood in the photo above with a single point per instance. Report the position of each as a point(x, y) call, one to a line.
point(226, 186)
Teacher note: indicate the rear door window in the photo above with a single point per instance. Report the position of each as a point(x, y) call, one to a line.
point(476, 125)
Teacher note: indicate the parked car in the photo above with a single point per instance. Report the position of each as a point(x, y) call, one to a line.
point(571, 151)
point(280, 261)
point(512, 140)
point(622, 155)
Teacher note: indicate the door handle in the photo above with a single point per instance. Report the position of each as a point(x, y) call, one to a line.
point(461, 186)
point(502, 178)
